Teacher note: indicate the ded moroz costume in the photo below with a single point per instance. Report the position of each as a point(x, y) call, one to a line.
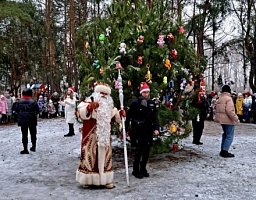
point(97, 112)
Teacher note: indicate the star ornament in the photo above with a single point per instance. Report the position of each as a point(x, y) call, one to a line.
point(181, 29)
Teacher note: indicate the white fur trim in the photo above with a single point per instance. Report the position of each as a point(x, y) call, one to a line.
point(145, 90)
point(102, 88)
point(94, 178)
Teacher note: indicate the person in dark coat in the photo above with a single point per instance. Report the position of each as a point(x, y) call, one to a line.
point(27, 110)
point(143, 118)
point(55, 100)
point(199, 102)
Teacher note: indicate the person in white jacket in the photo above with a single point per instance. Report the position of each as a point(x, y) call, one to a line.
point(247, 103)
point(70, 108)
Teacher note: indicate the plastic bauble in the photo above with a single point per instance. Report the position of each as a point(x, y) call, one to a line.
point(102, 37)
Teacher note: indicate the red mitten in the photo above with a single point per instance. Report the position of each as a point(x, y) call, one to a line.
point(95, 105)
point(122, 113)
point(92, 105)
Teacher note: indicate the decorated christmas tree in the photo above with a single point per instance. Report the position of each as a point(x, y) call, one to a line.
point(150, 45)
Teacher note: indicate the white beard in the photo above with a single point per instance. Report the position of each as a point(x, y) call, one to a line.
point(103, 118)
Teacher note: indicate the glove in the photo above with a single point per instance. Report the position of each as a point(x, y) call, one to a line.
point(122, 113)
point(92, 106)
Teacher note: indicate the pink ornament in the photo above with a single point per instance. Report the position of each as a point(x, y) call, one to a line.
point(161, 41)
point(118, 65)
point(181, 29)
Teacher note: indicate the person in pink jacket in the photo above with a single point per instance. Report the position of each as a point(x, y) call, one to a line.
point(3, 109)
point(226, 116)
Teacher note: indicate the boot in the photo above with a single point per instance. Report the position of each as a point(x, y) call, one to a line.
point(226, 154)
point(137, 175)
point(144, 172)
point(197, 142)
point(71, 131)
point(136, 172)
point(33, 148)
point(25, 151)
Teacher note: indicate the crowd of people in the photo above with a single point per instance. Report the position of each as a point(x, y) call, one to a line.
point(245, 105)
point(50, 106)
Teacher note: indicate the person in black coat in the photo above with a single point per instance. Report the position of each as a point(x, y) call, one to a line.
point(27, 110)
point(200, 102)
point(143, 118)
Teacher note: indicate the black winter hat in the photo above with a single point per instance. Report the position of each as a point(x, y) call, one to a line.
point(27, 92)
point(226, 88)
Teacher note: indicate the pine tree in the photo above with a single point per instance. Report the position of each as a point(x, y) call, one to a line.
point(151, 46)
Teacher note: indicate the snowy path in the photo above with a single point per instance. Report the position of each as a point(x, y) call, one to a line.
point(192, 173)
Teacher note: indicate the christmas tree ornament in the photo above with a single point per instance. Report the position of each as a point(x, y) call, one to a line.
point(174, 54)
point(129, 83)
point(173, 128)
point(140, 39)
point(139, 30)
point(160, 40)
point(183, 84)
point(133, 6)
point(118, 65)
point(122, 48)
point(102, 70)
point(170, 38)
point(189, 87)
point(140, 60)
point(165, 80)
point(181, 29)
point(86, 45)
point(108, 31)
point(96, 64)
point(171, 84)
point(175, 147)
point(167, 64)
point(148, 76)
point(102, 38)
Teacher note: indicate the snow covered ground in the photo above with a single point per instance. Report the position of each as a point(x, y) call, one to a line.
point(195, 172)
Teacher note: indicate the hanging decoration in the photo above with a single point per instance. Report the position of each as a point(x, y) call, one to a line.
point(86, 45)
point(96, 64)
point(122, 48)
point(183, 84)
point(102, 70)
point(139, 30)
point(165, 80)
point(174, 54)
point(102, 38)
point(129, 83)
point(118, 65)
point(133, 6)
point(148, 76)
point(140, 39)
point(108, 31)
point(167, 64)
point(140, 60)
point(181, 29)
point(160, 40)
point(171, 84)
point(173, 127)
point(170, 38)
